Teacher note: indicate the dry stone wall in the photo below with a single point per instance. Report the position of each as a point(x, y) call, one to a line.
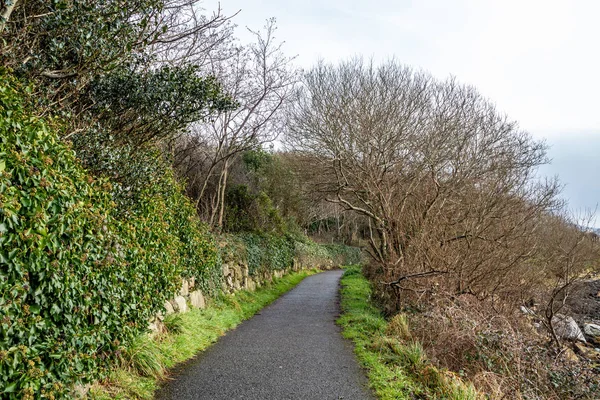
point(236, 277)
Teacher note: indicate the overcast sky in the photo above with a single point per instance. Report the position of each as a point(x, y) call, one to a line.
point(538, 60)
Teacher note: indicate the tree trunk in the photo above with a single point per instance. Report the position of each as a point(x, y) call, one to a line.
point(5, 14)
point(223, 187)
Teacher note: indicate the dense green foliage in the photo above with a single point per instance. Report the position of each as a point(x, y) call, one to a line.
point(77, 279)
point(311, 253)
point(149, 105)
point(268, 252)
point(247, 212)
point(265, 196)
point(75, 35)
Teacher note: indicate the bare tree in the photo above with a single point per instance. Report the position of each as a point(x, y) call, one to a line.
point(194, 37)
point(261, 79)
point(446, 182)
point(567, 257)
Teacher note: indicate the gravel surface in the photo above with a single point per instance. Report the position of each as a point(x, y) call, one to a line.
point(292, 349)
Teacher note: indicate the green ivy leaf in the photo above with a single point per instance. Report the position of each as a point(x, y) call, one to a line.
point(11, 388)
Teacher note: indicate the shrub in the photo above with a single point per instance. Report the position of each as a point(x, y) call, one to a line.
point(80, 278)
point(314, 254)
point(496, 351)
point(247, 212)
point(269, 252)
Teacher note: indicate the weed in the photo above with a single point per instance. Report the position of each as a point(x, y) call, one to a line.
point(398, 327)
point(143, 357)
point(174, 323)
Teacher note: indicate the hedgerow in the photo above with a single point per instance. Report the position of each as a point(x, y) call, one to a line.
point(308, 252)
point(270, 252)
point(260, 251)
point(79, 280)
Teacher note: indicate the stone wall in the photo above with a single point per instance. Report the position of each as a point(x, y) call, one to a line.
point(236, 277)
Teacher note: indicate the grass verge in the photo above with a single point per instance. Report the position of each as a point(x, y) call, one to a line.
point(146, 359)
point(396, 364)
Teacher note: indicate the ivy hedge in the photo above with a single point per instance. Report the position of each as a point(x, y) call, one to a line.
point(78, 280)
point(268, 252)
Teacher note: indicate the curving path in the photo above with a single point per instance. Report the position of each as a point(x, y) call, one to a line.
point(292, 349)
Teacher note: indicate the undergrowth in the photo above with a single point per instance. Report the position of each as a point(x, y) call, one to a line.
point(397, 365)
point(145, 362)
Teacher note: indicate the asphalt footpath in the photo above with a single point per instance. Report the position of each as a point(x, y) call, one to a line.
point(291, 349)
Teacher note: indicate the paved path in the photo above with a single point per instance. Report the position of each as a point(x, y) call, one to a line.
point(292, 349)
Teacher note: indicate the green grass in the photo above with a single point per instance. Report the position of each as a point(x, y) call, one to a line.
point(396, 363)
point(146, 360)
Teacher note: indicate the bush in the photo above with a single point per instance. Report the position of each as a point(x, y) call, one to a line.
point(495, 351)
point(248, 212)
point(314, 254)
point(269, 252)
point(80, 278)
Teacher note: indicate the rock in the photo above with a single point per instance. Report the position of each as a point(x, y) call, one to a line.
point(156, 326)
point(569, 355)
point(185, 288)
point(153, 326)
point(237, 272)
point(565, 327)
point(169, 308)
point(192, 282)
point(197, 299)
point(225, 269)
point(527, 311)
point(583, 350)
point(250, 285)
point(592, 330)
point(180, 304)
